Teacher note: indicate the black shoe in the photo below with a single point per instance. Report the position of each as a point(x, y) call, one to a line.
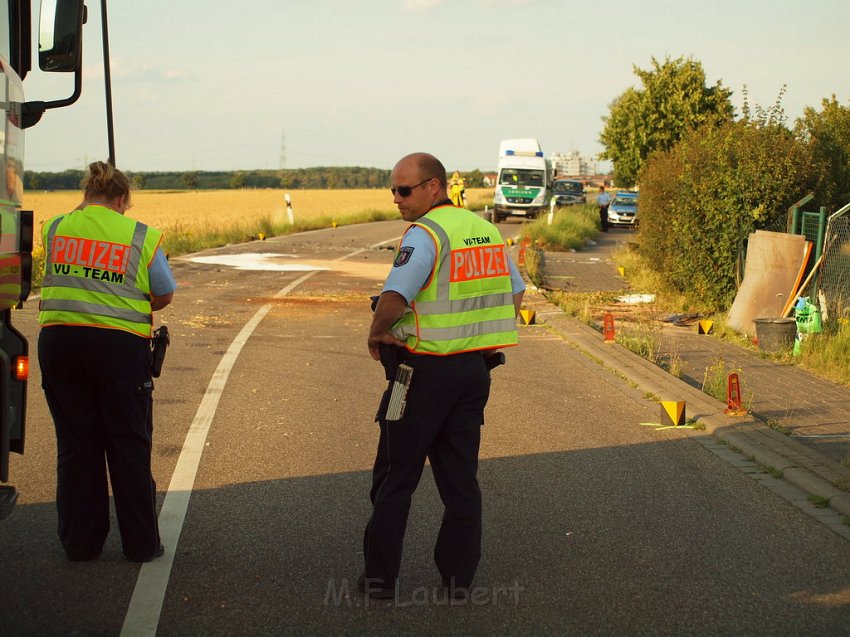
point(373, 591)
point(158, 553)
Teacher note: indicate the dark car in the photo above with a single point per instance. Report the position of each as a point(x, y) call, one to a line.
point(567, 192)
point(622, 211)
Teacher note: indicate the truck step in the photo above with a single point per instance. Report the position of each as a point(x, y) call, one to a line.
point(8, 496)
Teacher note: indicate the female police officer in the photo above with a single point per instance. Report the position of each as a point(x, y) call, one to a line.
point(104, 275)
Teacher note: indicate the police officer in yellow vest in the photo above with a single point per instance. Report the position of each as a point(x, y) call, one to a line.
point(457, 192)
point(104, 276)
point(450, 300)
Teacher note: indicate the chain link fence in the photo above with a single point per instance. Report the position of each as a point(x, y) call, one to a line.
point(833, 281)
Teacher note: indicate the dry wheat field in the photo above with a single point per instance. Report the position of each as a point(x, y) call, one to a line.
point(201, 211)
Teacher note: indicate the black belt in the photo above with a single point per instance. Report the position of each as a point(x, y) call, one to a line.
point(406, 355)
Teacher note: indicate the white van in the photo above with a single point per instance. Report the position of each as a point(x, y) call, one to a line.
point(524, 185)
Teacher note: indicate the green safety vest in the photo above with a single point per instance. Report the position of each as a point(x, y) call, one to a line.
point(467, 304)
point(96, 271)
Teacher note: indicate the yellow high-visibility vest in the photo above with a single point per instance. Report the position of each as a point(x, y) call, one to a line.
point(96, 271)
point(467, 305)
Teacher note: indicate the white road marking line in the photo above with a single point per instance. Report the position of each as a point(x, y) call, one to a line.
point(145, 605)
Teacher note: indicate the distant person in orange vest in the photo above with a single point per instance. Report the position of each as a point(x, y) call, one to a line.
point(104, 276)
point(603, 201)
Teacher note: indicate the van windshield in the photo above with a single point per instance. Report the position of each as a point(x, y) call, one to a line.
point(520, 177)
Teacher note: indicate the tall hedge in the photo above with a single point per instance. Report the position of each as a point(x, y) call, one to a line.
point(701, 199)
point(829, 133)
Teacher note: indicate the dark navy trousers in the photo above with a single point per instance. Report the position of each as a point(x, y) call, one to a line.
point(442, 422)
point(99, 390)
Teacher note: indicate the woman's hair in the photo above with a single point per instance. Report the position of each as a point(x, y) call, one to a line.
point(105, 182)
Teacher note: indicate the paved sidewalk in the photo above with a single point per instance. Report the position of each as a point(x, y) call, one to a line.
point(813, 413)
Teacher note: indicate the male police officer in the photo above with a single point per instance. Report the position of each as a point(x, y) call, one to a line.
point(450, 299)
point(603, 200)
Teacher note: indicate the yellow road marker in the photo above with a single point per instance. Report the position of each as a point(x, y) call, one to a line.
point(672, 413)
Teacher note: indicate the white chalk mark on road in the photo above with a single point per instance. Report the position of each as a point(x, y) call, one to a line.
point(256, 261)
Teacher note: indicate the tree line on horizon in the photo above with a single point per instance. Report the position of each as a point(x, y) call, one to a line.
point(320, 177)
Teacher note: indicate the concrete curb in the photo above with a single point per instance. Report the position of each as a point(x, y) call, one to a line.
point(799, 465)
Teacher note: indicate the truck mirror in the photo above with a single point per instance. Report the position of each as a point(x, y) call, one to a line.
point(60, 35)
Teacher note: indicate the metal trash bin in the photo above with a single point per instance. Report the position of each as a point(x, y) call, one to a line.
point(775, 335)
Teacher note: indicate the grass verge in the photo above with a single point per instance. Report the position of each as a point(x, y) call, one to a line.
point(826, 355)
point(570, 229)
point(179, 240)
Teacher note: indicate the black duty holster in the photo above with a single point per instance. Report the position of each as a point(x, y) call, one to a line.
point(159, 343)
point(494, 360)
point(390, 359)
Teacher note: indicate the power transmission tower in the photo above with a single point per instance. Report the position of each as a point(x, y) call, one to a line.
point(282, 151)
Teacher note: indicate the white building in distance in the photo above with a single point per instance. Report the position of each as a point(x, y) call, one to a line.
point(572, 164)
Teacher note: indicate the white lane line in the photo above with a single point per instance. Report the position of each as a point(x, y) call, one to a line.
point(145, 605)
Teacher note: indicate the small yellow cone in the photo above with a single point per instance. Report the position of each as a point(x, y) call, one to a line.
point(672, 413)
point(526, 317)
point(705, 327)
point(621, 270)
point(261, 236)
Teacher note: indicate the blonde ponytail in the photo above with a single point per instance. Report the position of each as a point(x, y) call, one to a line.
point(105, 182)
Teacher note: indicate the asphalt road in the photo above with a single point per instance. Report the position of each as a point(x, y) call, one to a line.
point(263, 442)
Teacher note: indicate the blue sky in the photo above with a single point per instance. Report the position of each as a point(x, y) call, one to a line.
point(217, 85)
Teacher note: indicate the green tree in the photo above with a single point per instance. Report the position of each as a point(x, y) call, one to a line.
point(829, 133)
point(673, 100)
point(138, 180)
point(190, 179)
point(474, 179)
point(237, 180)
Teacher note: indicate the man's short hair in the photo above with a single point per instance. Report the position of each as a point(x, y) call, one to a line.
point(432, 168)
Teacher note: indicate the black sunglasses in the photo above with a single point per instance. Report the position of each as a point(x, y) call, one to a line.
point(404, 191)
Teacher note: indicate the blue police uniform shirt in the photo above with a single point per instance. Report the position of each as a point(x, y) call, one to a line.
point(409, 277)
point(162, 280)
